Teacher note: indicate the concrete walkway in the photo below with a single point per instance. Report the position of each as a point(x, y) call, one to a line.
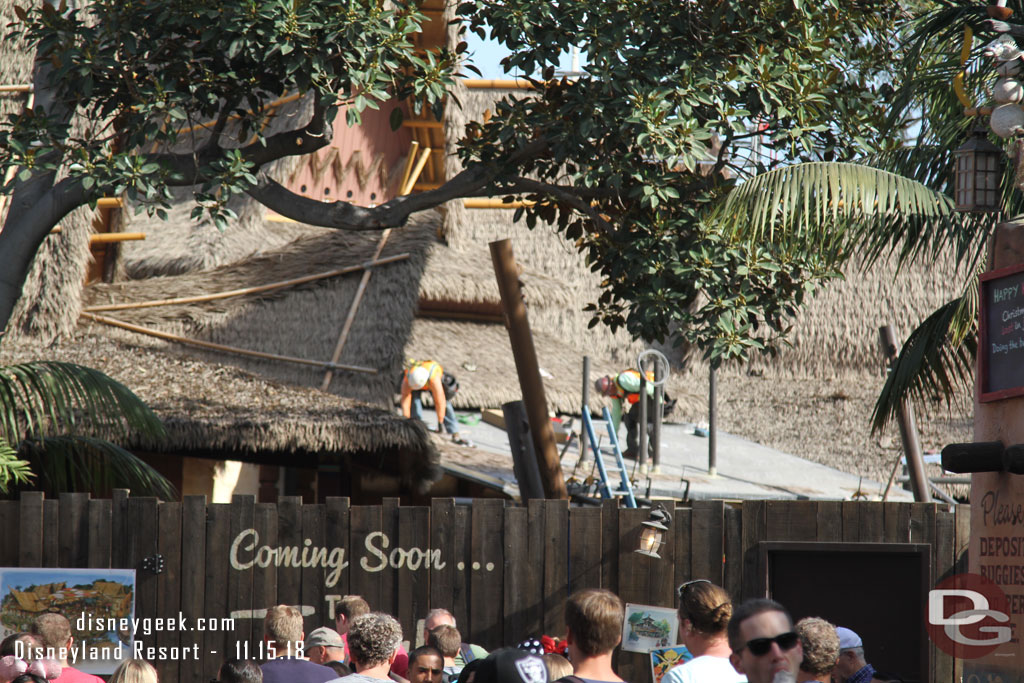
point(746, 470)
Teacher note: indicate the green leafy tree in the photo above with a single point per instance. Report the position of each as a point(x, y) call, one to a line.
point(57, 423)
point(631, 161)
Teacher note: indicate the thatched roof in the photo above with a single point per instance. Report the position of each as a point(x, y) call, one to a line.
point(220, 411)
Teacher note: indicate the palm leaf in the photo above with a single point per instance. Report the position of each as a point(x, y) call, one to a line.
point(82, 463)
point(13, 470)
point(48, 397)
point(937, 358)
point(844, 207)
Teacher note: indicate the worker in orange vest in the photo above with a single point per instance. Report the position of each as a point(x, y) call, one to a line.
point(624, 388)
point(428, 375)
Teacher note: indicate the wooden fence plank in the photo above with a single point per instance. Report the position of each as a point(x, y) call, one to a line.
point(168, 602)
point(9, 522)
point(830, 521)
point(99, 513)
point(338, 537)
point(661, 572)
point(364, 523)
point(518, 599)
point(314, 521)
point(851, 521)
point(51, 533)
point(753, 533)
point(556, 560)
point(892, 532)
point(442, 574)
point(193, 578)
point(585, 548)
point(943, 553)
point(215, 598)
point(609, 545)
point(388, 576)
point(289, 535)
point(733, 552)
point(681, 524)
point(30, 529)
point(537, 548)
point(73, 543)
point(414, 574)
point(487, 572)
point(706, 540)
point(791, 520)
point(264, 579)
point(872, 522)
point(242, 515)
point(460, 596)
point(634, 577)
point(120, 528)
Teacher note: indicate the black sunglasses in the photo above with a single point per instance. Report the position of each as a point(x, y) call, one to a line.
point(683, 586)
point(761, 646)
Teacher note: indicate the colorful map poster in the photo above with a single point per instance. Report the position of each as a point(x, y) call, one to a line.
point(95, 601)
point(665, 658)
point(648, 628)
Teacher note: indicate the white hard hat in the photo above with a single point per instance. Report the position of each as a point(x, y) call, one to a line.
point(418, 377)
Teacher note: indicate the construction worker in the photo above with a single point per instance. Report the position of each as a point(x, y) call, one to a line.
point(625, 388)
point(428, 375)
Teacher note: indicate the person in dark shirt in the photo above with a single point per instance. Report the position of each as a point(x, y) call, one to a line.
point(282, 632)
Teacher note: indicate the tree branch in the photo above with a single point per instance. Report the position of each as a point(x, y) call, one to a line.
point(574, 197)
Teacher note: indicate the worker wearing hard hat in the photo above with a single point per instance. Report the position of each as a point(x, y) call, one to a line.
point(428, 375)
point(625, 388)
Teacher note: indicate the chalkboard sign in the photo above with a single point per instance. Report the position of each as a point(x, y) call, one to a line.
point(1001, 332)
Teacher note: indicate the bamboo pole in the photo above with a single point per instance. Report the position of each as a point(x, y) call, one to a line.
point(110, 237)
point(420, 123)
point(495, 203)
point(420, 163)
point(16, 88)
point(109, 203)
point(365, 280)
point(248, 290)
point(221, 347)
point(502, 83)
point(409, 161)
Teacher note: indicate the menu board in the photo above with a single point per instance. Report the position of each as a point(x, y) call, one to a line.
point(1001, 328)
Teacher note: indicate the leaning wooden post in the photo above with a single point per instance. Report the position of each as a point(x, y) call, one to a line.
point(908, 426)
point(528, 369)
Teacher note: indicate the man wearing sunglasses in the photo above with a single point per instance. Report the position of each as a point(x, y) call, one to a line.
point(764, 646)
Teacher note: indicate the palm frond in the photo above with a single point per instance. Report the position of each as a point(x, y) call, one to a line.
point(13, 470)
point(81, 463)
point(937, 358)
point(47, 397)
point(836, 207)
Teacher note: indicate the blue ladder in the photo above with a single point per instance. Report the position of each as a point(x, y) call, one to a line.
point(625, 487)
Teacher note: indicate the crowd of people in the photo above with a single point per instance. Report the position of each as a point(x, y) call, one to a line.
point(755, 641)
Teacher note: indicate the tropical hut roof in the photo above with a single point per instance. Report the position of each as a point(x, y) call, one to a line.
point(223, 412)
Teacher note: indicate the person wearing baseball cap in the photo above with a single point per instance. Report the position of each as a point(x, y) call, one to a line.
point(852, 667)
point(507, 665)
point(324, 645)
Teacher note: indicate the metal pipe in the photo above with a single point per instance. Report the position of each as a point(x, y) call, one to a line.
point(659, 409)
point(528, 369)
point(908, 426)
point(641, 455)
point(584, 436)
point(712, 430)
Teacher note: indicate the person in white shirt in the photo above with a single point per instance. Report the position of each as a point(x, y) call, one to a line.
point(704, 612)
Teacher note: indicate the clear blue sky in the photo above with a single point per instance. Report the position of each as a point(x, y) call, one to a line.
point(485, 55)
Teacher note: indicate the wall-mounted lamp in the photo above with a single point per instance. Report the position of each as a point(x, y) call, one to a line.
point(978, 174)
point(654, 531)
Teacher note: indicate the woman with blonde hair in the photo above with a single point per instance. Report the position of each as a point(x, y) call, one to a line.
point(704, 613)
point(134, 671)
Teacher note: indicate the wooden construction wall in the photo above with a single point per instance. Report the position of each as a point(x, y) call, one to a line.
point(504, 571)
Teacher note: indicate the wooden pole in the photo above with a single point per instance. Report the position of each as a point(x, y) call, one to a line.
point(712, 427)
point(247, 290)
point(908, 426)
point(584, 436)
point(528, 369)
point(221, 347)
point(409, 161)
point(420, 163)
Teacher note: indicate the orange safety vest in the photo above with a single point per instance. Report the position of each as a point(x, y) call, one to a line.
point(631, 396)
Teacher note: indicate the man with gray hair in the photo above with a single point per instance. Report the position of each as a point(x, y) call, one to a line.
point(282, 632)
point(439, 616)
point(852, 667)
point(821, 650)
point(373, 641)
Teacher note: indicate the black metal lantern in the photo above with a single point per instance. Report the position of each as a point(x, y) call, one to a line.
point(978, 172)
point(654, 530)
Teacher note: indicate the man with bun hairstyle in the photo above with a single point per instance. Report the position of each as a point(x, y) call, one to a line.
point(704, 613)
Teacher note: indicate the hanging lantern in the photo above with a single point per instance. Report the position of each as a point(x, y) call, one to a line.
point(978, 174)
point(654, 531)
